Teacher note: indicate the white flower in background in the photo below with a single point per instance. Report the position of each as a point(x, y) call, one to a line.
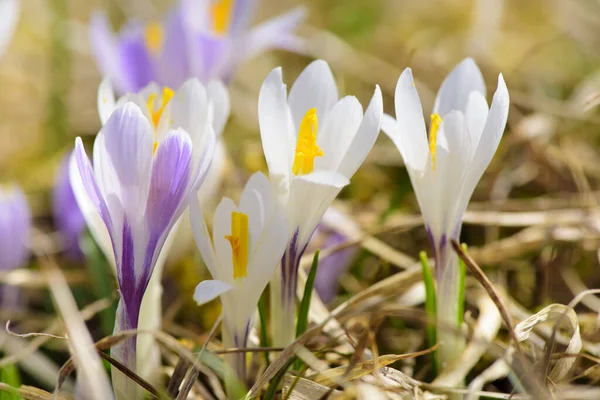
point(189, 111)
point(313, 142)
point(9, 16)
point(444, 169)
point(246, 246)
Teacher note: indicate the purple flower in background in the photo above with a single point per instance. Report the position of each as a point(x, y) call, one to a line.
point(336, 228)
point(15, 221)
point(67, 215)
point(140, 184)
point(198, 38)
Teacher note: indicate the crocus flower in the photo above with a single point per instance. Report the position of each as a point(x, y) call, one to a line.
point(140, 184)
point(9, 15)
point(193, 107)
point(15, 222)
point(246, 246)
point(444, 169)
point(313, 142)
point(67, 215)
point(199, 38)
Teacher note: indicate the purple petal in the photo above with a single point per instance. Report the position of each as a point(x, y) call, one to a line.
point(67, 215)
point(242, 15)
point(15, 221)
point(332, 267)
point(105, 50)
point(212, 57)
point(123, 158)
point(174, 61)
point(169, 182)
point(137, 64)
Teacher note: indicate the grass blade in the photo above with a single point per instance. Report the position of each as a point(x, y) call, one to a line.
point(305, 304)
point(430, 306)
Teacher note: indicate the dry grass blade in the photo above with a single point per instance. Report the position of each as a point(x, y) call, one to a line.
point(29, 392)
point(521, 369)
point(305, 389)
point(93, 376)
point(332, 376)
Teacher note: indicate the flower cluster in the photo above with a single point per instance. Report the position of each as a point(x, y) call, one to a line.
point(163, 105)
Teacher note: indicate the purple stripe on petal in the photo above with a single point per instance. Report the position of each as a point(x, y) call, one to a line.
point(169, 181)
point(67, 215)
point(128, 284)
point(86, 173)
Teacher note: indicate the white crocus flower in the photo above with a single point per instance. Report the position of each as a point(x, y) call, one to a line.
point(313, 142)
point(247, 244)
point(444, 169)
point(197, 110)
point(9, 15)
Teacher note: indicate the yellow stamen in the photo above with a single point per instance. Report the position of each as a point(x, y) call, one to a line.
point(239, 244)
point(154, 148)
point(306, 145)
point(167, 95)
point(221, 12)
point(154, 35)
point(436, 121)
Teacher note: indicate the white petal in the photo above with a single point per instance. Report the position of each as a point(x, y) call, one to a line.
point(267, 253)
point(276, 130)
point(188, 109)
point(476, 115)
point(9, 16)
point(314, 88)
point(221, 228)
point(460, 82)
point(490, 138)
point(337, 131)
point(123, 159)
point(410, 135)
point(365, 137)
point(328, 178)
point(219, 97)
point(202, 238)
point(210, 290)
point(106, 100)
point(207, 194)
point(256, 202)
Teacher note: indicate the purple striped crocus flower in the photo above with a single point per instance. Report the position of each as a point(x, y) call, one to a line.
point(198, 38)
point(15, 222)
point(67, 216)
point(140, 183)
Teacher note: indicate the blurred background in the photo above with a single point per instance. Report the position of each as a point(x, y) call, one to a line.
point(533, 221)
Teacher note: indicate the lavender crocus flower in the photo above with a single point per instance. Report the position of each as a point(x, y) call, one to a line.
point(67, 215)
point(140, 184)
point(198, 38)
point(15, 221)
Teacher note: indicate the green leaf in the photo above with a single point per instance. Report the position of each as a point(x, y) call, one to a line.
point(302, 323)
point(276, 381)
point(10, 375)
point(262, 315)
point(305, 304)
point(430, 306)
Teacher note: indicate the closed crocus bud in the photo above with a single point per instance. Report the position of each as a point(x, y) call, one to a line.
point(197, 39)
point(67, 216)
point(15, 221)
